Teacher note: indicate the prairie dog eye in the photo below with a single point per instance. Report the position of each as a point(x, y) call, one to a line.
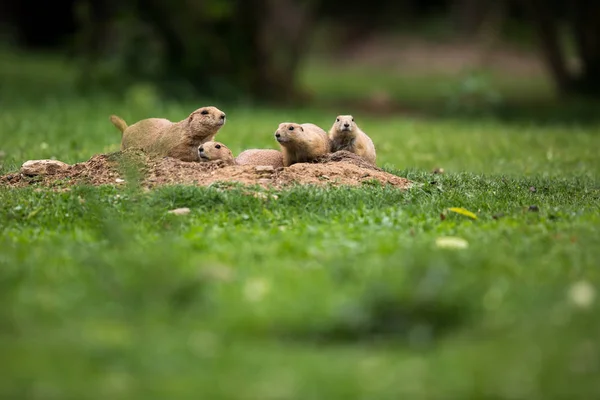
point(218, 146)
point(337, 120)
point(352, 119)
point(291, 128)
point(201, 149)
point(204, 112)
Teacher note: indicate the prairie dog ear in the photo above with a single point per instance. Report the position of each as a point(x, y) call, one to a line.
point(302, 129)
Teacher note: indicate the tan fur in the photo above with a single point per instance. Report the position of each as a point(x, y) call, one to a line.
point(346, 135)
point(217, 151)
point(301, 142)
point(213, 151)
point(260, 157)
point(119, 123)
point(173, 139)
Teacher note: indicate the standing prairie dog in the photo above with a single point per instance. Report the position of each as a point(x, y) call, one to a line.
point(173, 139)
point(346, 135)
point(301, 142)
point(212, 151)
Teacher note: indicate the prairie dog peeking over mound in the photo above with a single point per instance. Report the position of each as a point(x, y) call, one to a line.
point(346, 135)
point(301, 142)
point(212, 151)
point(173, 139)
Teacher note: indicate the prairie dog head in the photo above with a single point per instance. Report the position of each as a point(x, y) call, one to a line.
point(287, 132)
point(206, 119)
point(344, 124)
point(212, 151)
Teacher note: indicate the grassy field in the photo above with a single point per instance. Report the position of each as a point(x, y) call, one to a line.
point(306, 293)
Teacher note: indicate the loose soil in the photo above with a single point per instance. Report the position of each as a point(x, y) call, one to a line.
point(336, 169)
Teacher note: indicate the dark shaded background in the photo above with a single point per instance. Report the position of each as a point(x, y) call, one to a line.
point(256, 48)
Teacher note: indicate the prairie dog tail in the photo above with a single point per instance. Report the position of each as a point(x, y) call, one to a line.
point(118, 122)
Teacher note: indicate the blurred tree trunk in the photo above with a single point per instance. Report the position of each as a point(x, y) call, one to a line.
point(282, 39)
point(586, 30)
point(93, 16)
point(490, 29)
point(234, 48)
point(585, 27)
point(548, 31)
point(469, 15)
point(155, 13)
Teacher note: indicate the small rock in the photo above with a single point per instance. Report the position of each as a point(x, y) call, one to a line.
point(43, 167)
point(438, 171)
point(533, 189)
point(264, 168)
point(119, 180)
point(180, 211)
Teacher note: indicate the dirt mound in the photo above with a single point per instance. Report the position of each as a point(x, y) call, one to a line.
point(340, 168)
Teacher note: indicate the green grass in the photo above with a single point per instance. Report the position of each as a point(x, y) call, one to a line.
point(311, 294)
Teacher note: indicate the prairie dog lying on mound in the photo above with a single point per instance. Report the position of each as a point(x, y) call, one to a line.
point(211, 151)
point(346, 135)
point(173, 139)
point(301, 142)
point(260, 157)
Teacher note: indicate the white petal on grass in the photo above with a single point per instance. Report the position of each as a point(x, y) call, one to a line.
point(451, 242)
point(582, 294)
point(256, 289)
point(180, 211)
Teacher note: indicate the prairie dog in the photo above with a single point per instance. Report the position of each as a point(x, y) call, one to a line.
point(301, 142)
point(173, 139)
point(260, 157)
point(211, 151)
point(346, 135)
